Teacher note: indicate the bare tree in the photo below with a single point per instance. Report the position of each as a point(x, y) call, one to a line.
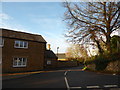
point(76, 51)
point(91, 21)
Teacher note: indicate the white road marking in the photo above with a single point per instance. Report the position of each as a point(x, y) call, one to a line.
point(114, 74)
point(75, 87)
point(110, 86)
point(66, 81)
point(92, 86)
point(65, 73)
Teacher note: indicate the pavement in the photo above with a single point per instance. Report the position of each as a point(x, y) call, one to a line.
point(18, 75)
point(7, 76)
point(14, 75)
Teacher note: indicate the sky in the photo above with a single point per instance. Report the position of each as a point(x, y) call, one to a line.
point(43, 18)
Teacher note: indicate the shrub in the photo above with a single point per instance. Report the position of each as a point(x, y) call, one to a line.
point(100, 65)
point(102, 61)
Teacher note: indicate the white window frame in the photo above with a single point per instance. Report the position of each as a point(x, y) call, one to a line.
point(2, 44)
point(49, 62)
point(18, 60)
point(23, 45)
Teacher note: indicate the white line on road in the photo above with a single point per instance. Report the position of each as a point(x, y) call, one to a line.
point(75, 87)
point(65, 73)
point(110, 86)
point(114, 74)
point(66, 81)
point(92, 86)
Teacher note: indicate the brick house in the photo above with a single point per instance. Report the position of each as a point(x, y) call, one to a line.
point(22, 51)
point(50, 59)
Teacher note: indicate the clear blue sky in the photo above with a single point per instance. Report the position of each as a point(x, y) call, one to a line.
point(44, 18)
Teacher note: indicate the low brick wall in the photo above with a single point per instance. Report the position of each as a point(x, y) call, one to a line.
point(61, 64)
point(66, 63)
point(113, 66)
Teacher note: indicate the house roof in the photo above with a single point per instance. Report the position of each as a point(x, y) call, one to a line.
point(49, 54)
point(21, 35)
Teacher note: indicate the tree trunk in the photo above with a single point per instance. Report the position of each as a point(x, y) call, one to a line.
point(100, 50)
point(108, 44)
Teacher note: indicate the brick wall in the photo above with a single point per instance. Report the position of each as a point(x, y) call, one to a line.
point(58, 64)
point(34, 55)
point(66, 63)
point(113, 66)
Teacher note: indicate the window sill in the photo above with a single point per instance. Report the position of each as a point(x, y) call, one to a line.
point(22, 47)
point(1, 46)
point(19, 66)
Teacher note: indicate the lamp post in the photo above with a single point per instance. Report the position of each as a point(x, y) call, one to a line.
point(57, 51)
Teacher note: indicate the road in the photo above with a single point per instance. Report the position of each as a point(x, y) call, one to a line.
point(72, 78)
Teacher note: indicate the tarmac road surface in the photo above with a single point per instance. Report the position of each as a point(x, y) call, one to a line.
point(69, 79)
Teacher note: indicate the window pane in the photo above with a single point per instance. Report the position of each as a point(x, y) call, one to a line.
point(21, 43)
point(15, 58)
point(25, 44)
point(49, 62)
point(24, 61)
point(17, 43)
point(20, 61)
point(1, 41)
point(15, 61)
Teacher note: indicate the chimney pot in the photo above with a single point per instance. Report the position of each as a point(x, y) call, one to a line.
point(48, 46)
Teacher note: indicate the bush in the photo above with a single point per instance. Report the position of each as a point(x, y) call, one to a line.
point(100, 65)
point(102, 61)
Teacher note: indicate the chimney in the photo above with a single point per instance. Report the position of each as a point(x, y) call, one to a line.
point(48, 47)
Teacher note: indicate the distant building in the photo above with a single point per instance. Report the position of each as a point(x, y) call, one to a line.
point(22, 51)
point(62, 57)
point(50, 59)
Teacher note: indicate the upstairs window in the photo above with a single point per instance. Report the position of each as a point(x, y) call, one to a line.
point(19, 62)
point(48, 61)
point(1, 42)
point(21, 44)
